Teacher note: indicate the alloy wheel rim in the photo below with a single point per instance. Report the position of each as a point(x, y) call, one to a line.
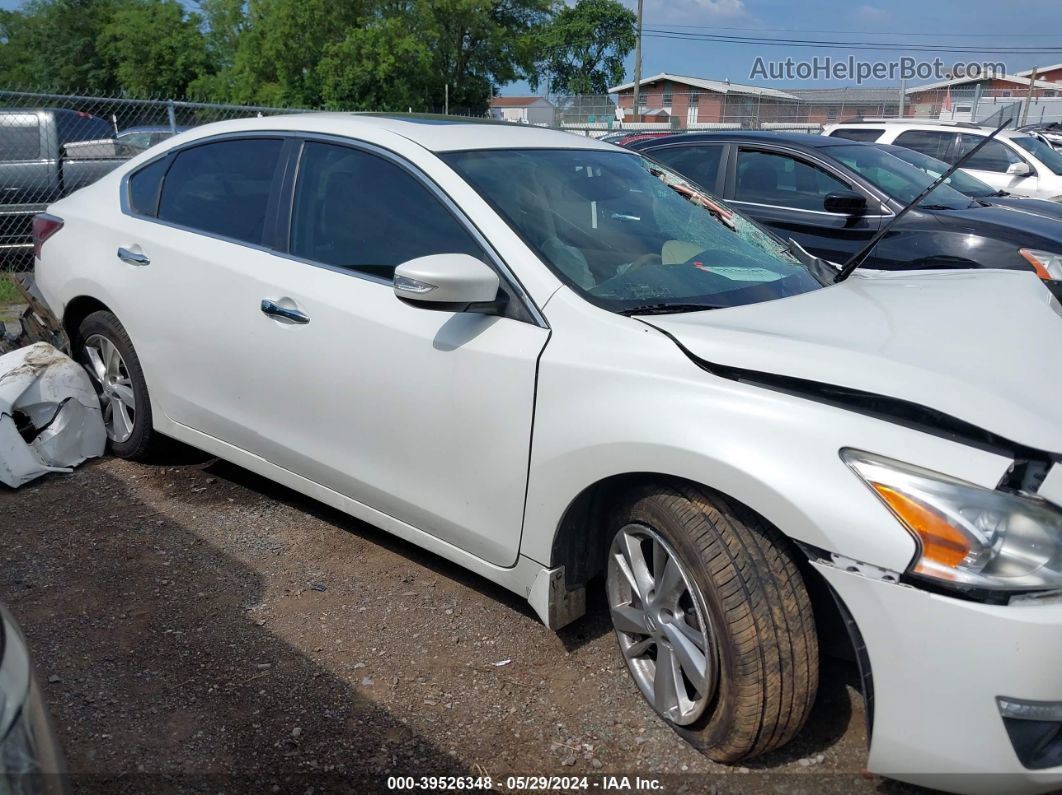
point(110, 376)
point(662, 625)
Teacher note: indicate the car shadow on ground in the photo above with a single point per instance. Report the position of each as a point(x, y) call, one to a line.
point(157, 674)
point(838, 692)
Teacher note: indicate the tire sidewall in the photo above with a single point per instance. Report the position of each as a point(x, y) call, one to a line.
point(717, 723)
point(105, 324)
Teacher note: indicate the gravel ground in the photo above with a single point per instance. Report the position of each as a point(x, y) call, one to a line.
point(197, 628)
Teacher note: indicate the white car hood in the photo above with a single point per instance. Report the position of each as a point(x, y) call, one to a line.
point(982, 346)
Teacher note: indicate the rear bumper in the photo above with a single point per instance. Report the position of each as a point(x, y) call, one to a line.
point(938, 665)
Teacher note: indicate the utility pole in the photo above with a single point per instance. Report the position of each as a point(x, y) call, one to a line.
point(638, 66)
point(903, 96)
point(1029, 97)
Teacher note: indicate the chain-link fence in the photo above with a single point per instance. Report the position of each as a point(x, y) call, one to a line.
point(750, 107)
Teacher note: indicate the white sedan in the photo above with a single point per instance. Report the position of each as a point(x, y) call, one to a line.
point(555, 362)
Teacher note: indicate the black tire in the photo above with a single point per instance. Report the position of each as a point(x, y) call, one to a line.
point(766, 647)
point(143, 442)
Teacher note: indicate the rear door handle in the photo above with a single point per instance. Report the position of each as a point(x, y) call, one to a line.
point(273, 309)
point(132, 257)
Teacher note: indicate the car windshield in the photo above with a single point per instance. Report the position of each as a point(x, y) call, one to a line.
point(1045, 153)
point(898, 179)
point(629, 234)
point(960, 180)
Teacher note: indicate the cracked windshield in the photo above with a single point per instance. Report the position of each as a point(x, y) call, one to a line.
point(629, 234)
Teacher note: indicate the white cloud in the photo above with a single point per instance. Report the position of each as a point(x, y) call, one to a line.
point(867, 13)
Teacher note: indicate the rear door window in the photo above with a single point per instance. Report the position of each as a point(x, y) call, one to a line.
point(934, 143)
point(858, 134)
point(362, 212)
point(20, 138)
point(221, 188)
point(698, 163)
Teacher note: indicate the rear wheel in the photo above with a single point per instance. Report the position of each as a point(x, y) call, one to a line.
point(104, 349)
point(712, 619)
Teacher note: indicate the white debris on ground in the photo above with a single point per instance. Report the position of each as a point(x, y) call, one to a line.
point(50, 417)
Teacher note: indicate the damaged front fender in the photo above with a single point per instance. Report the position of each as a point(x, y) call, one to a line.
point(50, 417)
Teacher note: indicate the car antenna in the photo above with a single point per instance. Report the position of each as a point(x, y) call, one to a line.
point(860, 256)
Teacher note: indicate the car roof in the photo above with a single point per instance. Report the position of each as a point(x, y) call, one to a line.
point(749, 136)
point(435, 133)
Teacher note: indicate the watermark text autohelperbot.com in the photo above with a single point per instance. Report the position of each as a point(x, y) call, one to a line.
point(852, 69)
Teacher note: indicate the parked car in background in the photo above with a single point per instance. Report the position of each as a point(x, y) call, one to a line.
point(145, 137)
point(555, 362)
point(46, 154)
point(623, 138)
point(832, 195)
point(973, 187)
point(1051, 132)
point(1015, 161)
point(30, 759)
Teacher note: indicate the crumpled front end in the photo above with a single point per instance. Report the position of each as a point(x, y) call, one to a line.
point(50, 417)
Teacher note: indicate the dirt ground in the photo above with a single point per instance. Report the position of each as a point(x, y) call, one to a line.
point(197, 628)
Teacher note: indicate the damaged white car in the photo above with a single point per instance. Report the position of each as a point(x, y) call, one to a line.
point(50, 416)
point(556, 363)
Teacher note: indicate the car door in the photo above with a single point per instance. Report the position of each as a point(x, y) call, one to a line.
point(786, 192)
point(990, 165)
point(423, 415)
point(191, 238)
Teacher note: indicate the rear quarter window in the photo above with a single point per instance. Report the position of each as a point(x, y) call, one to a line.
point(144, 186)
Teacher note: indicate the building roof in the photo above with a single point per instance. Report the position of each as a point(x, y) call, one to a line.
point(957, 81)
point(515, 102)
point(1039, 70)
point(718, 86)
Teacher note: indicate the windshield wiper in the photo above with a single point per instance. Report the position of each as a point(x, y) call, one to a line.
point(666, 309)
point(860, 256)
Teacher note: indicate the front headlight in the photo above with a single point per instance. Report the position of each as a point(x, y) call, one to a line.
point(1047, 264)
point(968, 535)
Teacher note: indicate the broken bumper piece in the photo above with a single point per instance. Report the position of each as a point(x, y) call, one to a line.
point(50, 418)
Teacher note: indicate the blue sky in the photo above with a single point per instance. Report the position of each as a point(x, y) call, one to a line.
point(1019, 23)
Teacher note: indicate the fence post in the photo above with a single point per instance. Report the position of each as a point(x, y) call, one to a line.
point(976, 102)
point(1029, 96)
point(171, 115)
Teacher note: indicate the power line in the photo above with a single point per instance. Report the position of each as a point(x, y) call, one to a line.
point(867, 32)
point(664, 33)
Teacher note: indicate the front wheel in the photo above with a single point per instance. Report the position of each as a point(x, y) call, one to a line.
point(104, 349)
point(713, 620)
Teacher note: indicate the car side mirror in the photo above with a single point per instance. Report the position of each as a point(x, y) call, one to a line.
point(1019, 169)
point(448, 283)
point(847, 202)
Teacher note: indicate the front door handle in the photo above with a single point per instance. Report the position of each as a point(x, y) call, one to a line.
point(133, 257)
point(273, 309)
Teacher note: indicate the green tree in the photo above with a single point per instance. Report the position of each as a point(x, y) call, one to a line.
point(582, 50)
point(382, 66)
point(53, 44)
point(154, 48)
